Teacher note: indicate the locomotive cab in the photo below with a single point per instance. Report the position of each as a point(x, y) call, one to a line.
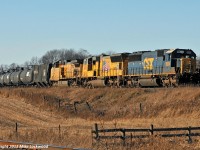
point(184, 61)
point(91, 67)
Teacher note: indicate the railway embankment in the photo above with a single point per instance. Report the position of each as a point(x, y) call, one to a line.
point(65, 116)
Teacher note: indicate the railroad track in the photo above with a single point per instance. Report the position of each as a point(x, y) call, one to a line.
point(32, 146)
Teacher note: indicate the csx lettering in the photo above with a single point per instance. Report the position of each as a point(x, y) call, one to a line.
point(148, 63)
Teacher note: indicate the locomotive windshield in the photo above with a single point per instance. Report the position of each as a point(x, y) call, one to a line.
point(185, 54)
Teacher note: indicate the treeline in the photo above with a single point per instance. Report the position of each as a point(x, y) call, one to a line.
point(52, 56)
point(49, 57)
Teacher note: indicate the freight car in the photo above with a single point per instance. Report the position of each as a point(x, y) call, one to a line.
point(35, 75)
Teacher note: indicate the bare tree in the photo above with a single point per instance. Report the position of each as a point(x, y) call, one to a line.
point(72, 54)
point(3, 67)
point(67, 54)
point(51, 56)
point(13, 66)
point(26, 64)
point(63, 54)
point(82, 53)
point(35, 61)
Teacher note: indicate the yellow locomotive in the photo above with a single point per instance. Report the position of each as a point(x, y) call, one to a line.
point(67, 72)
point(95, 70)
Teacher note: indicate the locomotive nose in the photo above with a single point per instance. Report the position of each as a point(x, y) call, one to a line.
point(187, 65)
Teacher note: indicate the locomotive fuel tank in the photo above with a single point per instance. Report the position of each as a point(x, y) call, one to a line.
point(151, 82)
point(97, 83)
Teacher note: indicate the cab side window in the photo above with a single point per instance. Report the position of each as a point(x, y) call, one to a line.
point(169, 57)
point(89, 64)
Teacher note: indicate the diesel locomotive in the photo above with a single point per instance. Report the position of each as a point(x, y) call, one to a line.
point(163, 67)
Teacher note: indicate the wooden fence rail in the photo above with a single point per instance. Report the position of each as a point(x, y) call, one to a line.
point(121, 133)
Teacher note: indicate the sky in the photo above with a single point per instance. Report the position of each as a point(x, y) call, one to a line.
point(30, 28)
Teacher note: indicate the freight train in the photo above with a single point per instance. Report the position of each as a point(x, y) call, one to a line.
point(158, 68)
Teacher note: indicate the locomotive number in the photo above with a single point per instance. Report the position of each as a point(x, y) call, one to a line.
point(148, 63)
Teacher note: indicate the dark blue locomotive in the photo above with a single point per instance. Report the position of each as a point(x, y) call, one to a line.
point(164, 67)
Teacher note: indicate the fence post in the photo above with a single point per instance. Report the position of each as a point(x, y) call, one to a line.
point(59, 129)
point(75, 109)
point(59, 103)
point(96, 131)
point(140, 107)
point(189, 135)
point(124, 137)
point(131, 139)
point(151, 129)
point(88, 105)
point(16, 127)
point(16, 130)
point(92, 136)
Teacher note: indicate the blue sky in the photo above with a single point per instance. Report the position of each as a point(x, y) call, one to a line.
point(32, 27)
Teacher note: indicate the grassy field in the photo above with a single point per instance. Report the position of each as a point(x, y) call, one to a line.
point(40, 111)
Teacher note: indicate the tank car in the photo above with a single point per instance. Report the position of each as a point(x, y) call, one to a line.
point(26, 76)
point(1, 79)
point(7, 79)
point(15, 77)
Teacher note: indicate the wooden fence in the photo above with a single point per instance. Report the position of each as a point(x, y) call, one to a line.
point(123, 134)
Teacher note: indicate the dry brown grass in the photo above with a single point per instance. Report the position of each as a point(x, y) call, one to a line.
point(38, 115)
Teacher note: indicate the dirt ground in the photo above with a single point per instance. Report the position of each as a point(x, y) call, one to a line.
point(66, 116)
